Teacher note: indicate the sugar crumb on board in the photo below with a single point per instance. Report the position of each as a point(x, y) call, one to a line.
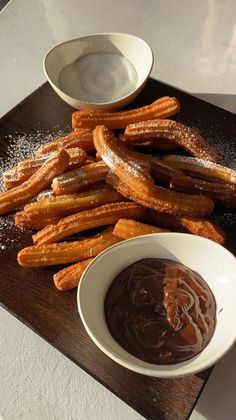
point(225, 220)
point(10, 235)
point(216, 134)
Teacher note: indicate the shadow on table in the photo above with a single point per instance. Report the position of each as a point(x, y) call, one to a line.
point(222, 100)
point(218, 400)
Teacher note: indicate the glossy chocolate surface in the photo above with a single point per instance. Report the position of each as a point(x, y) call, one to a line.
point(160, 311)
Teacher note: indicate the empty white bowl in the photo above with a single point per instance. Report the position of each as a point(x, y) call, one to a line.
point(212, 261)
point(99, 72)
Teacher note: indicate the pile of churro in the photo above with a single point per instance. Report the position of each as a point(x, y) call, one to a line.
point(104, 175)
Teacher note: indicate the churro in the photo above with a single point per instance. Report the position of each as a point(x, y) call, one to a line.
point(202, 168)
point(113, 155)
point(79, 179)
point(41, 179)
point(69, 277)
point(127, 228)
point(164, 200)
point(224, 193)
point(161, 108)
point(26, 168)
point(66, 252)
point(64, 205)
point(82, 138)
point(185, 137)
point(28, 221)
point(195, 225)
point(87, 219)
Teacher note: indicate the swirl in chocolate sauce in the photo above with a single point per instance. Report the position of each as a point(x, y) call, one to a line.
point(160, 311)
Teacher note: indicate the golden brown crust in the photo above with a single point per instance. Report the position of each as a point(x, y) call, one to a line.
point(66, 252)
point(127, 228)
point(28, 221)
point(81, 138)
point(26, 168)
point(113, 155)
point(185, 137)
point(88, 219)
point(164, 200)
point(202, 169)
point(40, 180)
point(161, 108)
point(223, 193)
point(157, 168)
point(65, 205)
point(80, 179)
point(195, 225)
point(69, 277)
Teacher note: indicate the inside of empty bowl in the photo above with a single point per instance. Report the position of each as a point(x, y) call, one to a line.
point(100, 69)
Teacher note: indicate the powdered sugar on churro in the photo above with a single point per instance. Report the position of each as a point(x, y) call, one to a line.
point(228, 174)
point(20, 147)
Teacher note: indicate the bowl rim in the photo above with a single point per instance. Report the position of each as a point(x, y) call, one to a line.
point(123, 34)
point(155, 370)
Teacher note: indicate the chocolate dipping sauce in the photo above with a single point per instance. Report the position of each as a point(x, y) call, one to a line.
point(160, 311)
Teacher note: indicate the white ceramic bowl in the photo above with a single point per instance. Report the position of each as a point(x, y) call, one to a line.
point(213, 262)
point(136, 50)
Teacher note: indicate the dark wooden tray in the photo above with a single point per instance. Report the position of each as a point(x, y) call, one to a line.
point(31, 296)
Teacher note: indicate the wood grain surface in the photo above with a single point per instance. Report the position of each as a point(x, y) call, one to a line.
point(30, 295)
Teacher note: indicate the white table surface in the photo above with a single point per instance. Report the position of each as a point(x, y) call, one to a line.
point(194, 44)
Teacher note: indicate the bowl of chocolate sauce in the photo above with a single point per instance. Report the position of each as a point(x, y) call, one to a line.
point(162, 304)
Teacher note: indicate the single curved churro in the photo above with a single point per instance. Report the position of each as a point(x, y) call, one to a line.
point(161, 108)
point(41, 179)
point(69, 277)
point(185, 137)
point(82, 138)
point(26, 168)
point(28, 221)
point(224, 193)
point(64, 205)
point(113, 155)
point(127, 228)
point(164, 200)
point(66, 252)
point(202, 168)
point(79, 179)
point(195, 225)
point(88, 219)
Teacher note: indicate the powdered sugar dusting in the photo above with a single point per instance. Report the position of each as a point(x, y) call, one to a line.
point(10, 235)
point(225, 220)
point(217, 133)
point(209, 168)
point(19, 147)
